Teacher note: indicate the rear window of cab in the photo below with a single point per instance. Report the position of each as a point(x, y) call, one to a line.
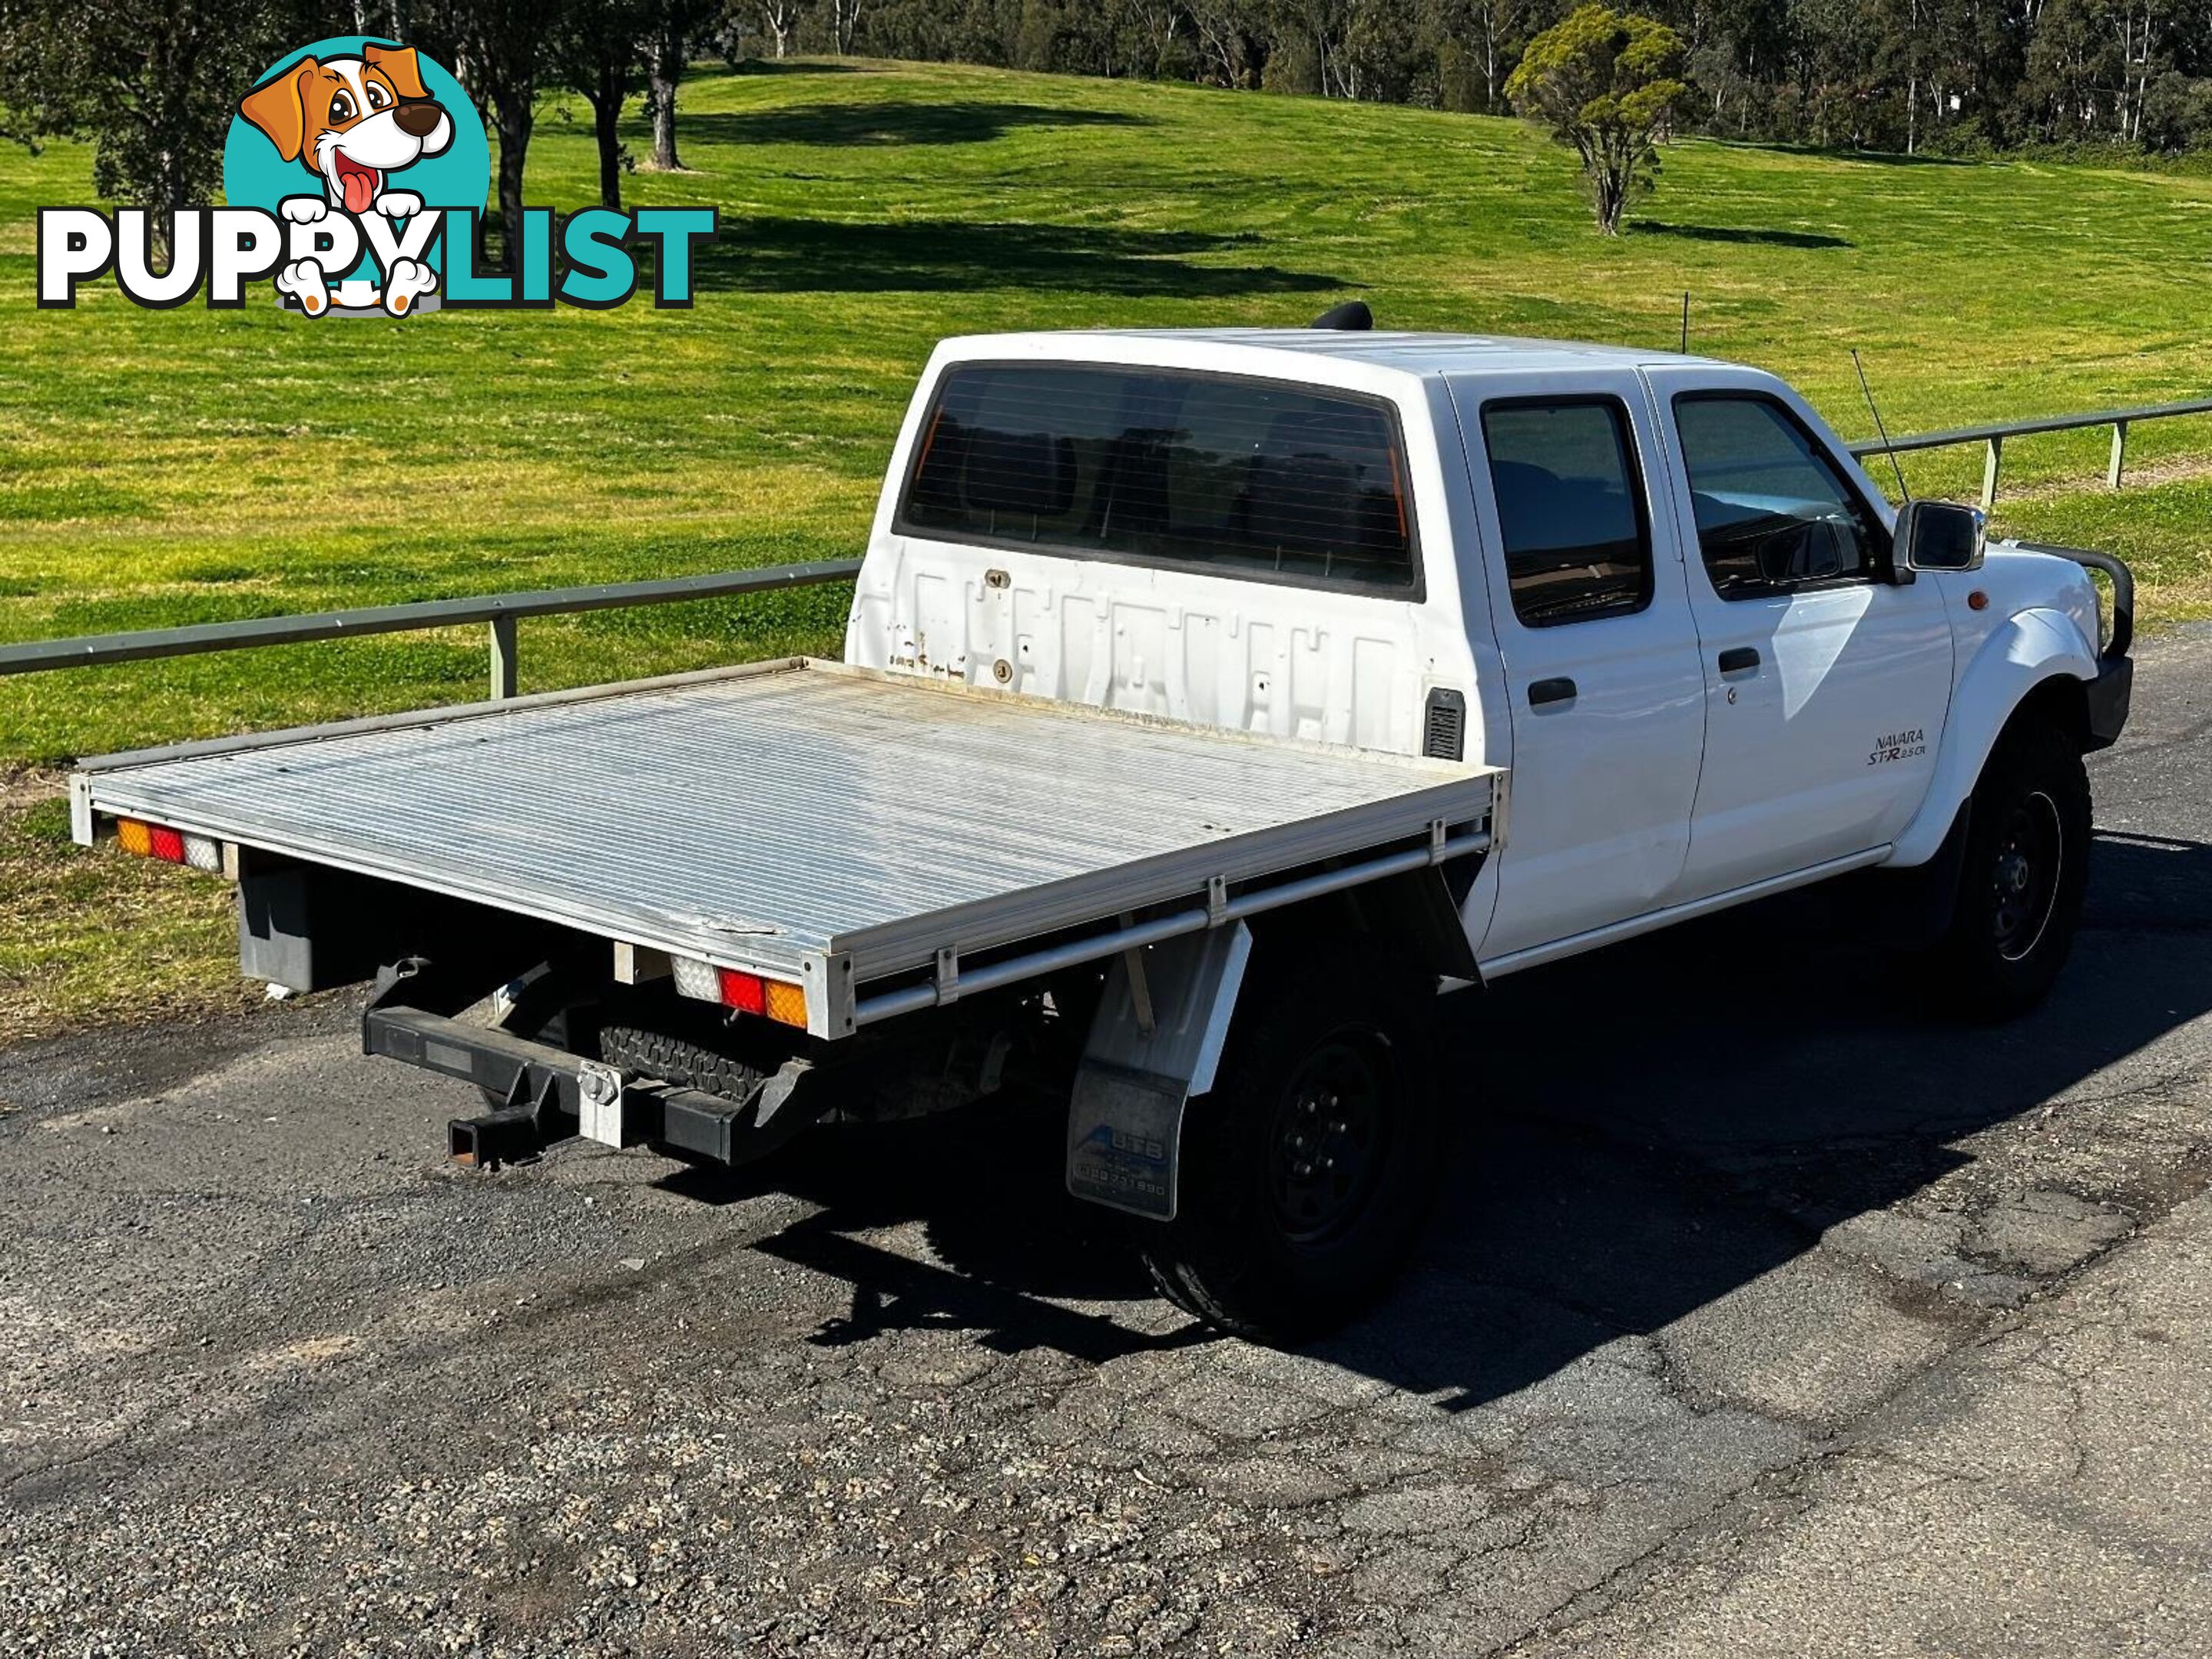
point(1256, 479)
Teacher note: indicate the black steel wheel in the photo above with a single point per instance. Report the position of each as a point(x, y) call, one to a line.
point(1306, 1173)
point(2024, 877)
point(2021, 880)
point(1331, 1141)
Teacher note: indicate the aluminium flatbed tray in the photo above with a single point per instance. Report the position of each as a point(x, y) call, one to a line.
point(788, 816)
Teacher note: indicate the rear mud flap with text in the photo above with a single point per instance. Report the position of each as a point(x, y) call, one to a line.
point(1156, 1041)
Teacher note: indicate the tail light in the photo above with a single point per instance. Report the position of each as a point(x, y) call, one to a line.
point(158, 841)
point(746, 993)
point(743, 991)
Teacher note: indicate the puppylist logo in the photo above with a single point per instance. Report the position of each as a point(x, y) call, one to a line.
point(355, 172)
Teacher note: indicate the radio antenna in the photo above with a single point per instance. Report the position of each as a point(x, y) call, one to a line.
point(1903, 488)
point(1686, 322)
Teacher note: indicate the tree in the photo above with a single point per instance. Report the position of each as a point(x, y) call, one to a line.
point(596, 47)
point(1604, 81)
point(1497, 27)
point(497, 48)
point(674, 24)
point(1309, 39)
point(781, 18)
point(844, 23)
point(153, 83)
point(1155, 28)
point(1232, 41)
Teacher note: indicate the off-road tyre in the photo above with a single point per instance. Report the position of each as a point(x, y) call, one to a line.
point(694, 1046)
point(2021, 877)
point(1266, 1244)
point(673, 1060)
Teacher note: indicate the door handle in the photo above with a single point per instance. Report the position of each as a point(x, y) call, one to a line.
point(1540, 692)
point(1739, 656)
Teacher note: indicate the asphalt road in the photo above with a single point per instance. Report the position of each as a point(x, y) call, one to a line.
point(1768, 1313)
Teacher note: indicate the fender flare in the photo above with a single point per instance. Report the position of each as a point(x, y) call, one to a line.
point(2031, 650)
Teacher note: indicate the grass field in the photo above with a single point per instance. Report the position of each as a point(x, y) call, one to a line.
point(160, 467)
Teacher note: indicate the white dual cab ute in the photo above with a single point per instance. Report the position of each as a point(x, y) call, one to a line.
point(1166, 777)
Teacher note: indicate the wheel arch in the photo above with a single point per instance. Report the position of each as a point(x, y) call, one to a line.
point(2035, 667)
point(1416, 914)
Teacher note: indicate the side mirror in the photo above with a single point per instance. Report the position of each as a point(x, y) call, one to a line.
point(1939, 536)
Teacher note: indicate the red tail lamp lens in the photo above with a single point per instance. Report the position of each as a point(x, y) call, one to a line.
point(165, 844)
point(746, 993)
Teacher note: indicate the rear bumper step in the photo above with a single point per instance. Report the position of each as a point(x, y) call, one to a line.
point(553, 1096)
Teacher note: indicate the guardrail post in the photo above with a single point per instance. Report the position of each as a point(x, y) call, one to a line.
point(502, 659)
point(2119, 454)
point(1990, 474)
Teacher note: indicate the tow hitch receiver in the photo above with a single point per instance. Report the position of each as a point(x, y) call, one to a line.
point(543, 1087)
point(496, 1138)
point(550, 1095)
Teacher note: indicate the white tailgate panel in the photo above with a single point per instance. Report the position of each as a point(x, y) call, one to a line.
point(1291, 662)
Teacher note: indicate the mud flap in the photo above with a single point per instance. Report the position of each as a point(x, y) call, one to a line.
point(1156, 1041)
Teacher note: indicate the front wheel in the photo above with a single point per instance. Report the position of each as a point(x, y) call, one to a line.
point(1307, 1172)
point(2020, 883)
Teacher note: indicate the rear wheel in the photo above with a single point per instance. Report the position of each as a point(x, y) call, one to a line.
point(1307, 1172)
point(2020, 883)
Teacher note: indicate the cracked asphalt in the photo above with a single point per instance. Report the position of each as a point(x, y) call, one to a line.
point(1766, 1313)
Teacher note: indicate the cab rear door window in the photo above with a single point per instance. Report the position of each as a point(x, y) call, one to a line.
point(1570, 508)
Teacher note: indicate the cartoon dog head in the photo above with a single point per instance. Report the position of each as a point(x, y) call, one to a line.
point(352, 121)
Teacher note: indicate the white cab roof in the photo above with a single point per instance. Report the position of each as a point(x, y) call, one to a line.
point(1416, 354)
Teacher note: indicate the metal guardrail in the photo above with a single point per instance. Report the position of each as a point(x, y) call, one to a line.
point(500, 611)
point(1994, 435)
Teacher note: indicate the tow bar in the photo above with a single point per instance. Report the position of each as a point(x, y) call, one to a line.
point(552, 1096)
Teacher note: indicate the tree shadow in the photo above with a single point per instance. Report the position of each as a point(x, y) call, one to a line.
point(794, 66)
point(1648, 1130)
point(1734, 235)
point(1887, 158)
point(1896, 158)
point(788, 255)
point(845, 127)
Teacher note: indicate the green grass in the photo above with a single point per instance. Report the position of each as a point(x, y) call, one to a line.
point(101, 935)
point(161, 467)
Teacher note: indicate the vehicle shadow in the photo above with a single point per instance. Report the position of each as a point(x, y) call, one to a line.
point(845, 125)
point(985, 1186)
point(1646, 1130)
point(785, 256)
